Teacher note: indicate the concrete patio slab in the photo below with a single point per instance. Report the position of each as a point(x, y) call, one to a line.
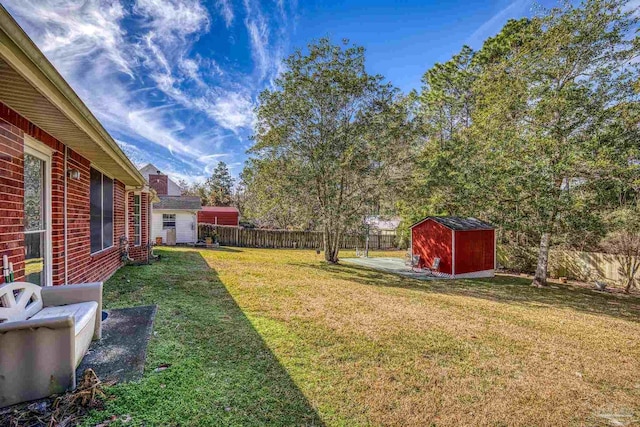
point(395, 266)
point(121, 353)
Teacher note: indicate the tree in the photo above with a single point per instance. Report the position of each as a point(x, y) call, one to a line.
point(444, 115)
point(332, 133)
point(547, 116)
point(447, 178)
point(268, 205)
point(220, 186)
point(196, 189)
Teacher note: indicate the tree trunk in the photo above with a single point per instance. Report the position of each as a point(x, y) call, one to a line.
point(630, 281)
point(331, 245)
point(540, 278)
point(634, 265)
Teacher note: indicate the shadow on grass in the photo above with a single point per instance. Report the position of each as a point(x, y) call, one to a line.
point(220, 372)
point(220, 249)
point(510, 290)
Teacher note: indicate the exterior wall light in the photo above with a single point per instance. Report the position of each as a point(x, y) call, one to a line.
point(74, 174)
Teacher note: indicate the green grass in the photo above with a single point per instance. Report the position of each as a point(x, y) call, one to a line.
point(277, 337)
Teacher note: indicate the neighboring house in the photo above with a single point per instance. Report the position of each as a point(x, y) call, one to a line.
point(173, 213)
point(150, 170)
point(219, 215)
point(71, 201)
point(382, 225)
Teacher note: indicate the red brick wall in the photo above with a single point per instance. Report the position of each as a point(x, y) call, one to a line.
point(82, 265)
point(160, 183)
point(11, 196)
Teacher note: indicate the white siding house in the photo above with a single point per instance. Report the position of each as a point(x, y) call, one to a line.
point(185, 223)
point(173, 211)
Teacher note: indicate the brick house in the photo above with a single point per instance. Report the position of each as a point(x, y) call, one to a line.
point(71, 202)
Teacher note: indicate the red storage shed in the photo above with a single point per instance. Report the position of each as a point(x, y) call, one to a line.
point(220, 215)
point(466, 246)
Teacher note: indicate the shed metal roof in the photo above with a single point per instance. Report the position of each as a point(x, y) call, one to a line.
point(458, 223)
point(215, 209)
point(189, 203)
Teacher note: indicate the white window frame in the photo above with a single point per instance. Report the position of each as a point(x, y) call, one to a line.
point(113, 202)
point(37, 149)
point(175, 224)
point(137, 217)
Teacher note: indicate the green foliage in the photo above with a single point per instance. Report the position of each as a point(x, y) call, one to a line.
point(536, 129)
point(220, 186)
point(266, 204)
point(217, 190)
point(330, 139)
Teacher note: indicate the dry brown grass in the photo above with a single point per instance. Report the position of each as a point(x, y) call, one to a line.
point(369, 348)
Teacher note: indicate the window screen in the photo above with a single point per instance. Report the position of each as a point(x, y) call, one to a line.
point(101, 223)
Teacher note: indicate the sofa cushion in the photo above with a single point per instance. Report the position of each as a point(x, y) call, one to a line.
point(82, 312)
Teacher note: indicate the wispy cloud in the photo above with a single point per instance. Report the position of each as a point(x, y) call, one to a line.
point(78, 32)
point(136, 66)
point(259, 36)
point(226, 10)
point(492, 26)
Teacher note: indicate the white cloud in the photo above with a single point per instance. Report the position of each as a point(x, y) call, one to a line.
point(492, 26)
point(232, 110)
point(169, 19)
point(258, 30)
point(145, 83)
point(76, 32)
point(259, 36)
point(225, 9)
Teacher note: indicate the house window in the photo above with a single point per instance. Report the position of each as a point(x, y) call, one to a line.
point(101, 224)
point(136, 219)
point(168, 221)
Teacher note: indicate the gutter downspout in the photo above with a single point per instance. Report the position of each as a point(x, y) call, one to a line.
point(66, 243)
point(126, 213)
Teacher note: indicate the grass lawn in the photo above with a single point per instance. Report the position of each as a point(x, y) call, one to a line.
point(277, 337)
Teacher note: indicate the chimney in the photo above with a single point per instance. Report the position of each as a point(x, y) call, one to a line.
point(159, 183)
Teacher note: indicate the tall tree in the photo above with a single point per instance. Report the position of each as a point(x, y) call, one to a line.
point(547, 115)
point(331, 131)
point(444, 180)
point(220, 186)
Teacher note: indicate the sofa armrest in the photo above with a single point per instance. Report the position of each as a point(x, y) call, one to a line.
point(37, 358)
point(60, 322)
point(73, 294)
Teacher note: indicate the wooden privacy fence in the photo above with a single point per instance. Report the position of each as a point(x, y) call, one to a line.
point(584, 266)
point(259, 238)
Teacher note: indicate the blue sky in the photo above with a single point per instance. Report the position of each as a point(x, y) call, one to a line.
point(175, 81)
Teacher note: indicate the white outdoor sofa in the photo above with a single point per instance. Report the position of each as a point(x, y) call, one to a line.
point(44, 334)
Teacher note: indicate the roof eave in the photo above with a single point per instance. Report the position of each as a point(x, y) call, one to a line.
point(432, 218)
point(19, 51)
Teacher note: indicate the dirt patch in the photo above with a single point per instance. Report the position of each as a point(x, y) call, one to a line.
point(60, 411)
